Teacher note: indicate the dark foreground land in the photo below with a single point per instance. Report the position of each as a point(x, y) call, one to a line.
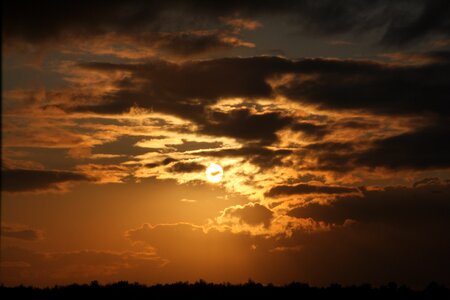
point(203, 290)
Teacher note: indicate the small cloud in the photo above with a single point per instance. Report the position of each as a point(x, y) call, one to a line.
point(240, 23)
point(185, 200)
point(20, 232)
point(187, 167)
point(286, 249)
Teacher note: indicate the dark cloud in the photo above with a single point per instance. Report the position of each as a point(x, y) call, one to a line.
point(421, 149)
point(164, 162)
point(307, 177)
point(21, 233)
point(251, 214)
point(192, 44)
point(401, 206)
point(425, 148)
point(431, 20)
point(191, 84)
point(427, 181)
point(354, 253)
point(303, 188)
point(330, 156)
point(374, 87)
point(187, 90)
point(187, 167)
point(399, 22)
point(243, 124)
point(23, 180)
point(256, 154)
point(311, 130)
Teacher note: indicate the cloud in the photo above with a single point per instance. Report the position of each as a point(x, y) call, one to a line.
point(20, 232)
point(425, 148)
point(185, 200)
point(23, 180)
point(432, 20)
point(256, 154)
point(304, 188)
point(311, 130)
point(105, 173)
point(252, 214)
point(188, 145)
point(418, 206)
point(187, 167)
point(134, 31)
point(164, 162)
point(185, 89)
point(242, 23)
point(368, 86)
point(351, 251)
point(310, 177)
point(243, 124)
point(49, 268)
point(328, 84)
point(398, 23)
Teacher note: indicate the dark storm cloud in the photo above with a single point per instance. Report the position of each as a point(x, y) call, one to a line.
point(256, 154)
point(304, 188)
point(428, 204)
point(26, 234)
point(400, 22)
point(187, 167)
point(251, 214)
point(23, 180)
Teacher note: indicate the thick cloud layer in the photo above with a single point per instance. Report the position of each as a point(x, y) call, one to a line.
point(403, 22)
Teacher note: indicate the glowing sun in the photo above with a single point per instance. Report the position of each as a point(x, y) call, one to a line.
point(214, 173)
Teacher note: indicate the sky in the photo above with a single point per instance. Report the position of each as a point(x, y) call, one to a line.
point(164, 141)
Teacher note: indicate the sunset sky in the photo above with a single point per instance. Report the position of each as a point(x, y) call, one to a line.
point(326, 123)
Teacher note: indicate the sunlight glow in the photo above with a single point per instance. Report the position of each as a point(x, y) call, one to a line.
point(214, 173)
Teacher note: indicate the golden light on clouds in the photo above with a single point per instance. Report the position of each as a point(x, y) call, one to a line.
point(327, 154)
point(214, 173)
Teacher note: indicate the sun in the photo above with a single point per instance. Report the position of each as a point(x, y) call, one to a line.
point(214, 173)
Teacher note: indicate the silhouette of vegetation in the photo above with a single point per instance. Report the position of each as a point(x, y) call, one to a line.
point(204, 290)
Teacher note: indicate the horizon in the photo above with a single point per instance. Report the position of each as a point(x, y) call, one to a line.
point(283, 141)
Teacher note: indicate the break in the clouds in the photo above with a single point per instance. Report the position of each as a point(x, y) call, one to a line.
point(330, 121)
